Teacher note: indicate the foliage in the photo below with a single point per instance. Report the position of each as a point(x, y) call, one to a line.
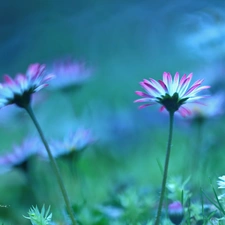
point(39, 217)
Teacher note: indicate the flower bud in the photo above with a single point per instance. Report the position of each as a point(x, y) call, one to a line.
point(176, 212)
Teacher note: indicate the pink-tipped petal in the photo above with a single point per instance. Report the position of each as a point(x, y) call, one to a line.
point(9, 80)
point(183, 78)
point(167, 79)
point(184, 86)
point(143, 100)
point(162, 108)
point(175, 82)
point(176, 77)
point(157, 85)
point(191, 89)
point(145, 105)
point(196, 90)
point(163, 85)
point(142, 94)
point(184, 111)
point(149, 88)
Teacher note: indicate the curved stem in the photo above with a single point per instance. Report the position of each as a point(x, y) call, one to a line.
point(53, 163)
point(166, 166)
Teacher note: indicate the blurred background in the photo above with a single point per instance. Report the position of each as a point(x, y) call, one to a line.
point(122, 42)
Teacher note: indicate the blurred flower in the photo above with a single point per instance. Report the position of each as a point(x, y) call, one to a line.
point(171, 94)
point(111, 212)
point(215, 221)
point(221, 185)
point(205, 33)
point(221, 182)
point(69, 74)
point(72, 144)
point(213, 73)
point(19, 156)
point(19, 90)
point(176, 212)
point(211, 107)
point(111, 124)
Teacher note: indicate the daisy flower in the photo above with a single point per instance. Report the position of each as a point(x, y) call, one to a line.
point(19, 156)
point(73, 143)
point(69, 74)
point(172, 94)
point(19, 90)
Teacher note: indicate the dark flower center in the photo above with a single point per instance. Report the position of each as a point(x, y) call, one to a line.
point(22, 100)
point(171, 103)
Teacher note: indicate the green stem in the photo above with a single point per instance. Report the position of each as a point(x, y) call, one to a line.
point(53, 163)
point(166, 165)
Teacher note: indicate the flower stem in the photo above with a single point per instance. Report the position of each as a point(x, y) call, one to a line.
point(166, 165)
point(53, 163)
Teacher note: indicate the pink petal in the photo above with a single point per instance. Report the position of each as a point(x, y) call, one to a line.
point(39, 87)
point(176, 82)
point(9, 80)
point(162, 108)
point(146, 85)
point(184, 111)
point(191, 89)
point(167, 78)
point(141, 100)
point(176, 77)
point(163, 85)
point(20, 78)
point(34, 70)
point(194, 98)
point(182, 88)
point(140, 93)
point(48, 77)
point(157, 85)
point(145, 105)
point(196, 90)
point(183, 78)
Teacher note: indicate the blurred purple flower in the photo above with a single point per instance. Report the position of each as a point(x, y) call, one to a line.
point(69, 74)
point(19, 156)
point(205, 33)
point(171, 94)
point(73, 143)
point(19, 90)
point(210, 107)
